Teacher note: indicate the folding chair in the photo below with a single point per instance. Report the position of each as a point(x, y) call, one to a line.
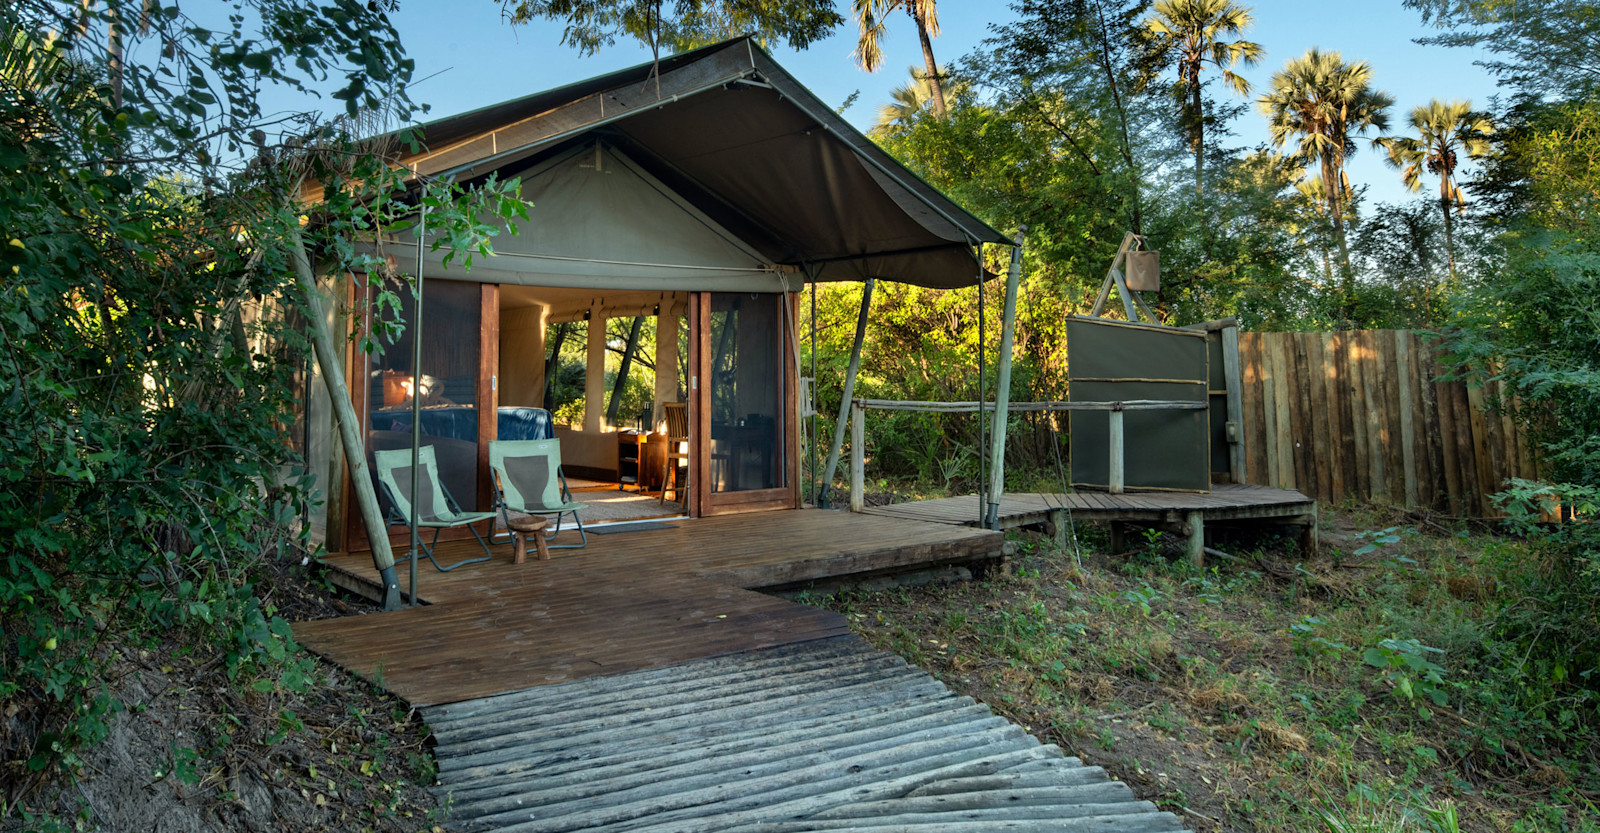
point(528, 478)
point(435, 507)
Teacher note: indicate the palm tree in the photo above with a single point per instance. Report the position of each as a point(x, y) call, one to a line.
point(870, 15)
point(1322, 102)
point(906, 102)
point(1196, 32)
point(1443, 131)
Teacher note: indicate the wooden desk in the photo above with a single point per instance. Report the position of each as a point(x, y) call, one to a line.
point(639, 460)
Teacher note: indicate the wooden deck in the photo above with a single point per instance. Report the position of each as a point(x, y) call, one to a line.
point(1185, 513)
point(628, 601)
point(1225, 502)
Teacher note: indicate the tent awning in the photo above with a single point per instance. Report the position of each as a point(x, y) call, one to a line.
point(748, 148)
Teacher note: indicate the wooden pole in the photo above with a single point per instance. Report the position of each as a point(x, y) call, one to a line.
point(594, 373)
point(1230, 369)
point(1116, 473)
point(826, 484)
point(858, 458)
point(349, 424)
point(1002, 387)
point(1195, 524)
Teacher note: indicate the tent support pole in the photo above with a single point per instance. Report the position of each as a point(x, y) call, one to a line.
point(983, 396)
point(816, 464)
point(349, 425)
point(826, 484)
point(416, 405)
point(1002, 387)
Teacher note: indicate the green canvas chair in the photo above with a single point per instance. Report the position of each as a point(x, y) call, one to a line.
point(528, 478)
point(435, 507)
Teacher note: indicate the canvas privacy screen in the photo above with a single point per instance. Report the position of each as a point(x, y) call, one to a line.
point(1112, 361)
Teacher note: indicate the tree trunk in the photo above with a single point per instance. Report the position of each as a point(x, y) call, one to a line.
point(1449, 231)
point(553, 362)
point(1136, 221)
point(935, 84)
point(1197, 135)
point(1330, 179)
point(621, 383)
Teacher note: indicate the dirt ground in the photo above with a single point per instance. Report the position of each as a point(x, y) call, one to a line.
point(193, 752)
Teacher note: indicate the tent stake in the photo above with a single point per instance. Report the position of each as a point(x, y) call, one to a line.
point(1002, 386)
point(839, 427)
point(349, 426)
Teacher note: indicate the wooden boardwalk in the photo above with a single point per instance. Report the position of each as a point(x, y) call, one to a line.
point(1225, 502)
point(639, 685)
point(628, 601)
point(828, 735)
point(1182, 512)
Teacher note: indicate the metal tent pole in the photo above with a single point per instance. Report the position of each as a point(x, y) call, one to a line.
point(983, 395)
point(416, 397)
point(1002, 389)
point(839, 427)
point(814, 461)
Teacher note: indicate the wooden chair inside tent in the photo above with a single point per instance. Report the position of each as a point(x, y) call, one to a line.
point(677, 417)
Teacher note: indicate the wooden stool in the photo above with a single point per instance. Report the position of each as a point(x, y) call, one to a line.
point(521, 528)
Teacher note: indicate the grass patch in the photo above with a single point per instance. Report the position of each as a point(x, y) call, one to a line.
point(1355, 691)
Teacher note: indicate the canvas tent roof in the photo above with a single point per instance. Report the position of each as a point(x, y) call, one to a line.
point(734, 143)
point(597, 220)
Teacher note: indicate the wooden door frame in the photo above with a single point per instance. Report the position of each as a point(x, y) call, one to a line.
point(487, 401)
point(702, 501)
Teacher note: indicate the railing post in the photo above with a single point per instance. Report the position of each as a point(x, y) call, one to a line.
point(825, 482)
point(858, 456)
point(1114, 440)
point(1002, 388)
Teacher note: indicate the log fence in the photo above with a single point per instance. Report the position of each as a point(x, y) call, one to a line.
point(1362, 416)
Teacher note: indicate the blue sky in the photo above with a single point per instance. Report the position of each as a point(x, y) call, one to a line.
point(469, 58)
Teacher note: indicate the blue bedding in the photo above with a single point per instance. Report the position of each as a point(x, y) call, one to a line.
point(460, 422)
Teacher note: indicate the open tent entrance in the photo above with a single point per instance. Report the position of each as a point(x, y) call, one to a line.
point(701, 204)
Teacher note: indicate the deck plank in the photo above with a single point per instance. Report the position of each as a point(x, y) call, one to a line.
point(628, 601)
point(1225, 502)
point(830, 735)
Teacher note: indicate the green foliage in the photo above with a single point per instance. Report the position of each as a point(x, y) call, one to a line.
point(148, 331)
point(1309, 643)
point(592, 24)
point(1538, 46)
point(1404, 664)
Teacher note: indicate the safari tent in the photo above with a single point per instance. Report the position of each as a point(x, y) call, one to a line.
point(705, 191)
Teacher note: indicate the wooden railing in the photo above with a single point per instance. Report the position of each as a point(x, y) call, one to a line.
point(1114, 411)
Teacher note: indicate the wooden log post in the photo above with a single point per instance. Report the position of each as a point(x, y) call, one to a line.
point(858, 457)
point(594, 372)
point(1235, 433)
point(1309, 540)
point(1117, 470)
point(349, 424)
point(1058, 529)
point(1195, 525)
point(1002, 387)
point(825, 483)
